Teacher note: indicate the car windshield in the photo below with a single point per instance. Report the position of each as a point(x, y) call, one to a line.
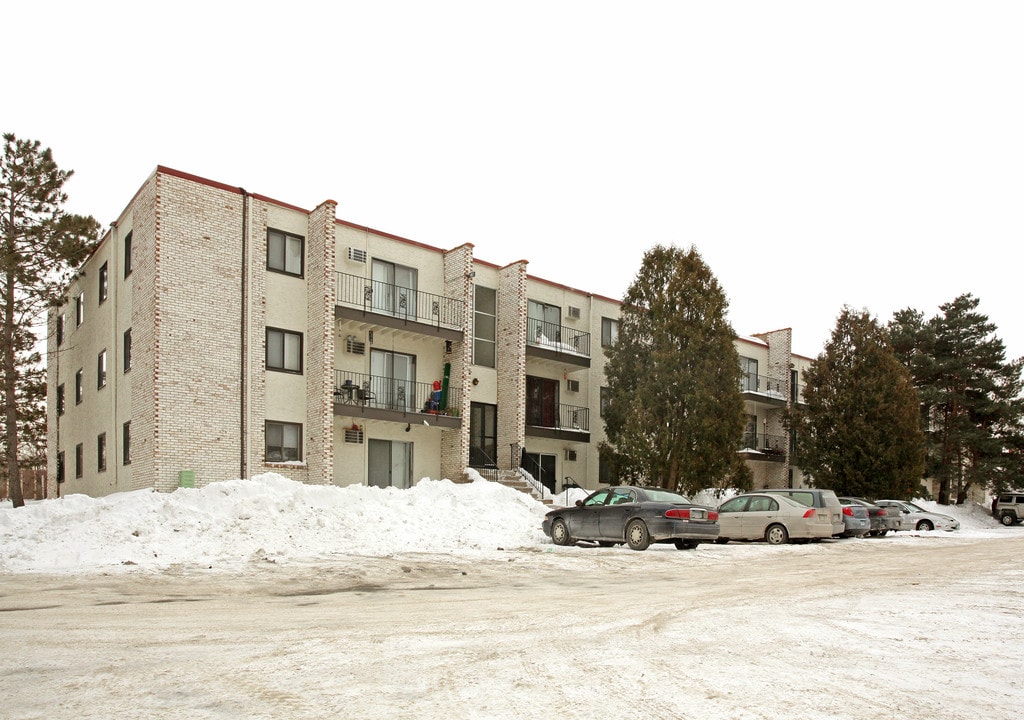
point(665, 496)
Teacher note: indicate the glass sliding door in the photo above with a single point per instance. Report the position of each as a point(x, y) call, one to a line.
point(389, 464)
point(394, 289)
point(393, 380)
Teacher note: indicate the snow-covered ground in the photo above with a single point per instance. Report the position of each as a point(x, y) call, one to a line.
point(272, 518)
point(266, 598)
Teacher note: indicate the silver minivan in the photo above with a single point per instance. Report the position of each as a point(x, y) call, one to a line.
point(825, 501)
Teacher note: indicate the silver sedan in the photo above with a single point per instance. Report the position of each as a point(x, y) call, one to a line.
point(915, 517)
point(773, 518)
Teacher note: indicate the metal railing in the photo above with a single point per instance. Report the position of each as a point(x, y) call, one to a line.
point(557, 337)
point(763, 385)
point(565, 417)
point(768, 444)
point(384, 393)
point(401, 302)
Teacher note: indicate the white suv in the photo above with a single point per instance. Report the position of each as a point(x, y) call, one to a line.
point(1010, 508)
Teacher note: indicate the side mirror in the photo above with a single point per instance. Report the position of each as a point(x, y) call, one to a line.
point(579, 503)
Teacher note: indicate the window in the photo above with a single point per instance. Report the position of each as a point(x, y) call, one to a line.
point(101, 452)
point(605, 397)
point(60, 467)
point(126, 443)
point(102, 290)
point(609, 332)
point(101, 369)
point(79, 392)
point(128, 254)
point(285, 252)
point(60, 399)
point(60, 329)
point(284, 350)
point(79, 459)
point(284, 442)
point(80, 309)
point(485, 323)
point(393, 378)
point(127, 350)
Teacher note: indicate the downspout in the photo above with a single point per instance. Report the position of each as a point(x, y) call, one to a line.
point(243, 395)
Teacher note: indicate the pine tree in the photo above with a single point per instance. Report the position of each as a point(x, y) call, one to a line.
point(40, 242)
point(674, 416)
point(858, 432)
point(971, 397)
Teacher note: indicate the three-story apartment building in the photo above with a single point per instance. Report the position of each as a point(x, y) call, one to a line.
point(217, 334)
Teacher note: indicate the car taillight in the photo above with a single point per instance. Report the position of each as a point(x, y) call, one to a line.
point(712, 515)
point(678, 513)
point(882, 512)
point(848, 511)
point(810, 513)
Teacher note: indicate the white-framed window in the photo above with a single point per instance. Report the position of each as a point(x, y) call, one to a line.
point(101, 452)
point(126, 443)
point(101, 291)
point(485, 324)
point(609, 331)
point(284, 441)
point(128, 254)
point(61, 325)
point(284, 350)
point(127, 353)
point(101, 369)
point(285, 253)
point(80, 309)
point(79, 389)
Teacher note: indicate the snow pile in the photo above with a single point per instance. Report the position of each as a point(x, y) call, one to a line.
point(269, 517)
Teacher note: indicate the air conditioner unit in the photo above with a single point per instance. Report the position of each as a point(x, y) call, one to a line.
point(574, 312)
point(357, 255)
point(354, 346)
point(572, 385)
point(570, 455)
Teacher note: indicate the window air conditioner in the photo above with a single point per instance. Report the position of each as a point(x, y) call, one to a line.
point(357, 255)
point(573, 385)
point(570, 455)
point(574, 312)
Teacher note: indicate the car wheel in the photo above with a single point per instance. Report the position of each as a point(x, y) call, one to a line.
point(637, 535)
point(776, 535)
point(1007, 519)
point(882, 533)
point(686, 544)
point(560, 533)
point(925, 525)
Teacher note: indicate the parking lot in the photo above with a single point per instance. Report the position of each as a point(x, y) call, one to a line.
point(913, 625)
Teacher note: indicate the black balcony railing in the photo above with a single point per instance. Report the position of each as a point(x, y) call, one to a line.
point(384, 393)
point(397, 301)
point(767, 444)
point(561, 417)
point(557, 337)
point(763, 385)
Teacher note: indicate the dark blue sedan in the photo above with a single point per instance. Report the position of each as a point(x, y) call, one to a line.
point(637, 516)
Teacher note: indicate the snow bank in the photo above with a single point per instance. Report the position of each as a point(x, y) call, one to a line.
point(269, 517)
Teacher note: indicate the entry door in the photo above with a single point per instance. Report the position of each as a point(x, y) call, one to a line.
point(389, 463)
point(483, 435)
point(544, 323)
point(394, 380)
point(542, 467)
point(541, 402)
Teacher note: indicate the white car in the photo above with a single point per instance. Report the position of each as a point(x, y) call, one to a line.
point(915, 517)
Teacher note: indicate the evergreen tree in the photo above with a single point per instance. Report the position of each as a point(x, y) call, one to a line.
point(40, 242)
point(674, 415)
point(858, 431)
point(971, 398)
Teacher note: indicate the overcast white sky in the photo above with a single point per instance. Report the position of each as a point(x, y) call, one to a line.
point(816, 153)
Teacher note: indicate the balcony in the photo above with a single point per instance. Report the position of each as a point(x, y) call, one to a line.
point(557, 342)
point(566, 422)
point(384, 398)
point(761, 388)
point(768, 448)
point(395, 306)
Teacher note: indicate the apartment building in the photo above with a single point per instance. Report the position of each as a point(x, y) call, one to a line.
point(215, 334)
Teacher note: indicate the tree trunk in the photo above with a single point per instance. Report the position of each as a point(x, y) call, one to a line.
point(10, 396)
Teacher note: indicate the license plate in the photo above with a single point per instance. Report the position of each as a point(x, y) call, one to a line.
point(696, 514)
